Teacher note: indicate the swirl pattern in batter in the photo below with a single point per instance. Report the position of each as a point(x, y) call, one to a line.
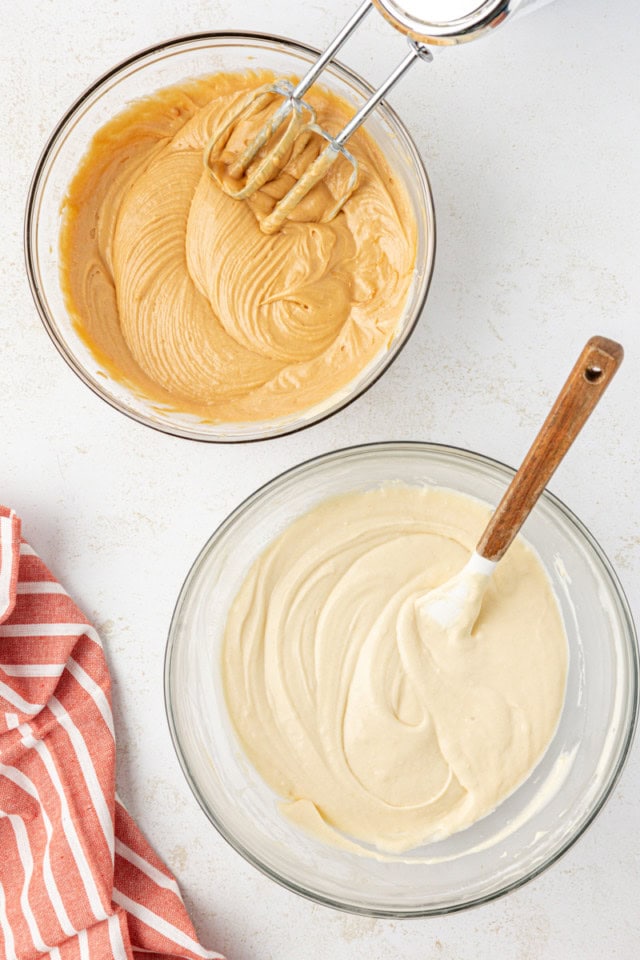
point(180, 294)
point(357, 714)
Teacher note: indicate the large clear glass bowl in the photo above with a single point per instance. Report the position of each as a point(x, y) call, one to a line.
point(163, 66)
point(529, 830)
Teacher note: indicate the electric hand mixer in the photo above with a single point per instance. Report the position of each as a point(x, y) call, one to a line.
point(266, 154)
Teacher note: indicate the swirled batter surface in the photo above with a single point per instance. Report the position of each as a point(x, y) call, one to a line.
point(181, 296)
point(360, 716)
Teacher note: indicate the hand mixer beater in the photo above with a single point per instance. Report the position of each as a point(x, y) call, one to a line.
point(265, 156)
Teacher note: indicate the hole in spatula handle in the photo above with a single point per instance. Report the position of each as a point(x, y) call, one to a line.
point(584, 387)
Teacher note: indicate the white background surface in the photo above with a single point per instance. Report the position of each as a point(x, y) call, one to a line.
point(531, 140)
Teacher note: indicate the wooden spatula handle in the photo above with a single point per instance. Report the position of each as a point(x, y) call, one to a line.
point(585, 385)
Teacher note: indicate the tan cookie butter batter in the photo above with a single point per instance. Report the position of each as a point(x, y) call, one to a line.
point(180, 295)
point(365, 720)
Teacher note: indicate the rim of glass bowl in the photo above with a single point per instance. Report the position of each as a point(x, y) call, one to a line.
point(597, 554)
point(344, 397)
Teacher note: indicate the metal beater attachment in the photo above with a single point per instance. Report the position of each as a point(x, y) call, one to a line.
point(267, 154)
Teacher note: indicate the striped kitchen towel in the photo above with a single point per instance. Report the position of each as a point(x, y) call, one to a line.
point(78, 881)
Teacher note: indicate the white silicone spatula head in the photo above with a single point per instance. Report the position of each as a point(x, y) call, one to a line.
point(455, 605)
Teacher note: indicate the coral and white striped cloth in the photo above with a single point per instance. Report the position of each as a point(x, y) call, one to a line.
point(78, 881)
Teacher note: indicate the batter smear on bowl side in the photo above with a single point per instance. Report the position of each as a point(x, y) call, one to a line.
point(366, 720)
point(183, 298)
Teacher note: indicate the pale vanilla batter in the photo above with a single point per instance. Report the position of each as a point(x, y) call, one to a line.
point(180, 294)
point(366, 721)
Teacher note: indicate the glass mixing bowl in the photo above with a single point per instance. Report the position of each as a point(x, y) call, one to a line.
point(532, 827)
point(166, 65)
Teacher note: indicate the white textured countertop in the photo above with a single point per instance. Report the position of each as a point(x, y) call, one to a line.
point(531, 140)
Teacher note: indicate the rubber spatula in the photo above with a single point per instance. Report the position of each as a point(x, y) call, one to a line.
point(454, 606)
